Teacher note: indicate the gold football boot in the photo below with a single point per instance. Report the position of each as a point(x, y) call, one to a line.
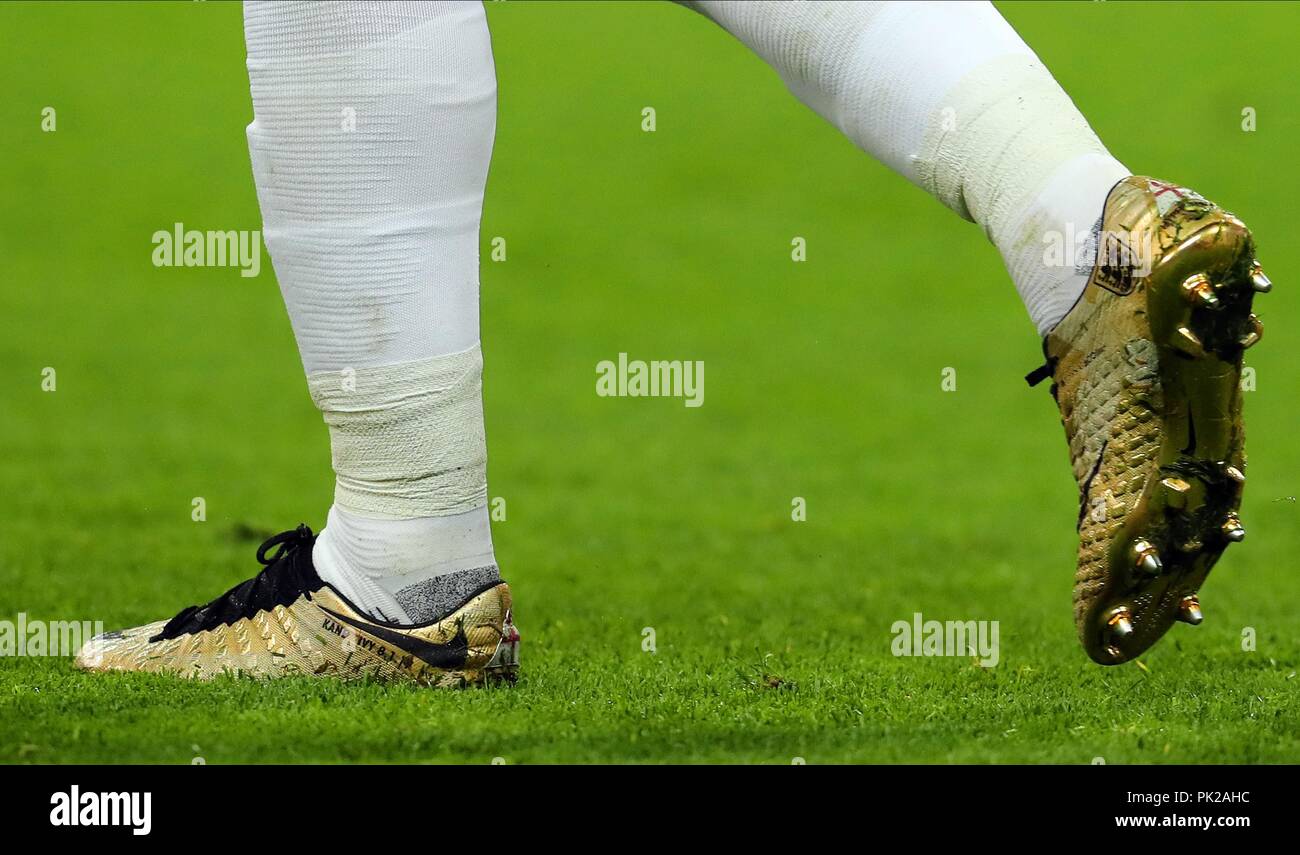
point(1146, 371)
point(287, 621)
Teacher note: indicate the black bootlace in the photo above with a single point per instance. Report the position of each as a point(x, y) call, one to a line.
point(288, 574)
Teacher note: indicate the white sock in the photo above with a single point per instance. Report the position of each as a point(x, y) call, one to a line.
point(386, 563)
point(948, 95)
point(370, 146)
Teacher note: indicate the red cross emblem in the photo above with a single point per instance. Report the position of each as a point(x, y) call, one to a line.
point(1167, 188)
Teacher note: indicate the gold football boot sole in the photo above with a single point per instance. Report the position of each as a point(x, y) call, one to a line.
point(321, 635)
point(1146, 371)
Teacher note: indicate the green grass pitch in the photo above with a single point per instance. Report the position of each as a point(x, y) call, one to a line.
point(823, 382)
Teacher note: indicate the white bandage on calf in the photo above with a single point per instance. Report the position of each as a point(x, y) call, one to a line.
point(949, 96)
point(407, 439)
point(372, 133)
point(879, 72)
point(1010, 151)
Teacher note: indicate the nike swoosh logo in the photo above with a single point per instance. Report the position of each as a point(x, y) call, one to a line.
point(450, 655)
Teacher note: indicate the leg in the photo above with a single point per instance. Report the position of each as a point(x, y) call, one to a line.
point(950, 97)
point(1144, 339)
point(370, 145)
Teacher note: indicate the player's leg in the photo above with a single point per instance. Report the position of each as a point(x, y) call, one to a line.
point(372, 132)
point(950, 97)
point(1144, 340)
point(370, 143)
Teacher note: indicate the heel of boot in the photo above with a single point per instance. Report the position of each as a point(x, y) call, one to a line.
point(504, 664)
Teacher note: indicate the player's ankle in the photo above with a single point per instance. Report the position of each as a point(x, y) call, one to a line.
point(406, 570)
point(1050, 247)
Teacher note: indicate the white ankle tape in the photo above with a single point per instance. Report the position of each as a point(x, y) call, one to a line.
point(407, 439)
point(1001, 134)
